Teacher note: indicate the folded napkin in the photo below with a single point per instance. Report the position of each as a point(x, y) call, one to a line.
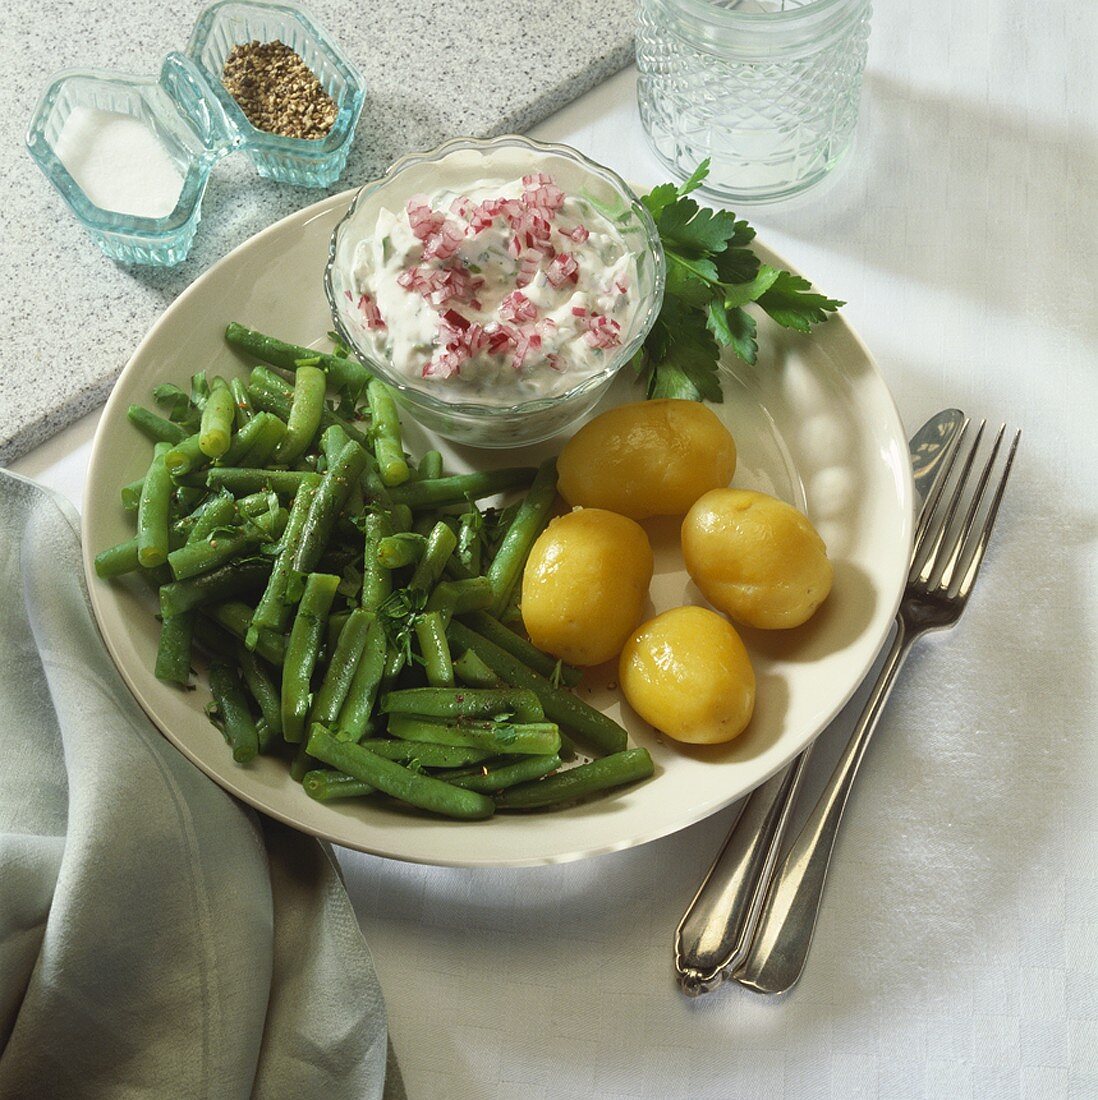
point(157, 938)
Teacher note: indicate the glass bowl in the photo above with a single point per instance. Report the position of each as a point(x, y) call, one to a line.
point(467, 161)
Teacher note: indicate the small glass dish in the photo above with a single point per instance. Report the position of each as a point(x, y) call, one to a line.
point(304, 162)
point(197, 122)
point(176, 109)
point(465, 162)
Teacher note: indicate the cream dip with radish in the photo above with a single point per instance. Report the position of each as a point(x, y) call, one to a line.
point(501, 293)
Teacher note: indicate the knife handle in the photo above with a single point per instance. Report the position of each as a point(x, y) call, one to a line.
point(716, 930)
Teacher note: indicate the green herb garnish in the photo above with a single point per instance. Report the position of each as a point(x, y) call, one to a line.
point(712, 275)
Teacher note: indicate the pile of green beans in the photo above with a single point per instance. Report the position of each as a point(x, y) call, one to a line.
point(354, 604)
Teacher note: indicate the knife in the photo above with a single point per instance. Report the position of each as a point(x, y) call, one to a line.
point(714, 936)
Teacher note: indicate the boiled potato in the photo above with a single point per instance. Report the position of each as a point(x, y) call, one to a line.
point(755, 558)
point(652, 458)
point(687, 673)
point(585, 585)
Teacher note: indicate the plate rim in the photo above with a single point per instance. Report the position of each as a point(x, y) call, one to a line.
point(688, 817)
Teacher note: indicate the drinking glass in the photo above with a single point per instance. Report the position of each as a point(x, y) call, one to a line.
point(767, 89)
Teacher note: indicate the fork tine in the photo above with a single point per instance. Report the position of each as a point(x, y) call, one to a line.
point(936, 490)
point(960, 542)
point(977, 557)
point(924, 565)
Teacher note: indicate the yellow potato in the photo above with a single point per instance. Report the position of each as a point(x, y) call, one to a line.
point(585, 585)
point(652, 458)
point(687, 673)
point(756, 558)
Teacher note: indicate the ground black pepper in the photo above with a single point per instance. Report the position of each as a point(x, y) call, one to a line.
point(277, 91)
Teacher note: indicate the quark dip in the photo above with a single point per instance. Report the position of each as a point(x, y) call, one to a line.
point(505, 292)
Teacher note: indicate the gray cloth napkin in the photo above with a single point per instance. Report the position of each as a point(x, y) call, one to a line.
point(157, 938)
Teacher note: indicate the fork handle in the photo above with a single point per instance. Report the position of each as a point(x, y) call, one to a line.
point(713, 936)
point(784, 932)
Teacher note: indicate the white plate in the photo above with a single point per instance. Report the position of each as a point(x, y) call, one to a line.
point(814, 424)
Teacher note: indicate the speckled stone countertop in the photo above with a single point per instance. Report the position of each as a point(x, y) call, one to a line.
point(70, 318)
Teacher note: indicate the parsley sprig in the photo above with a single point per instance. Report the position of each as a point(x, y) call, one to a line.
point(712, 274)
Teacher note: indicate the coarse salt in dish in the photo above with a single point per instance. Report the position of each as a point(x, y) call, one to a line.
point(498, 285)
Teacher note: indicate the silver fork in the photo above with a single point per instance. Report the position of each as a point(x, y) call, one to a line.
point(949, 548)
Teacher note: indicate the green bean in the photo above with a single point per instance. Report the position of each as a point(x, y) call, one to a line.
point(461, 597)
point(471, 670)
point(532, 516)
point(265, 443)
point(276, 606)
point(265, 395)
point(270, 525)
point(265, 692)
point(218, 417)
point(440, 545)
point(306, 407)
point(216, 641)
point(394, 666)
point(337, 620)
point(528, 653)
point(302, 651)
point(434, 649)
point(155, 427)
point(238, 619)
point(358, 705)
point(430, 466)
point(230, 581)
point(459, 488)
point(408, 786)
point(332, 441)
point(376, 582)
point(173, 653)
point(243, 479)
point(426, 756)
point(220, 512)
point(236, 716)
point(346, 655)
point(185, 456)
point(241, 401)
point(245, 438)
point(324, 509)
point(396, 551)
point(275, 395)
point(490, 780)
point(385, 429)
point(131, 494)
point(117, 560)
point(600, 775)
point(152, 511)
point(376, 489)
point(343, 373)
point(453, 703)
point(301, 764)
point(560, 706)
point(326, 786)
point(201, 557)
point(505, 738)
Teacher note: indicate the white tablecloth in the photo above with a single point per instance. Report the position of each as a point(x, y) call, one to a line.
point(957, 953)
